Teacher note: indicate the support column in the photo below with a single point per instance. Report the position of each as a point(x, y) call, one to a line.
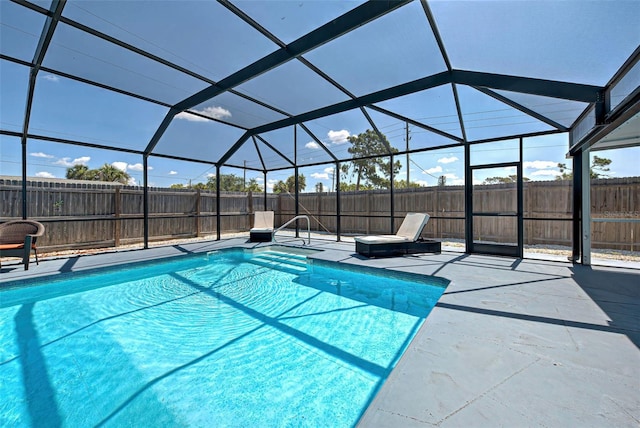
point(297, 195)
point(468, 199)
point(337, 176)
point(577, 208)
point(586, 209)
point(218, 222)
point(392, 207)
point(265, 191)
point(24, 177)
point(145, 201)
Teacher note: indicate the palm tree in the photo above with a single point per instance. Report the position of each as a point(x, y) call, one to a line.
point(78, 172)
point(112, 174)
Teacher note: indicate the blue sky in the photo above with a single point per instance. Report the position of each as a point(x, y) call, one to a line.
point(394, 49)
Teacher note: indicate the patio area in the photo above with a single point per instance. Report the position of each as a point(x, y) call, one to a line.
point(512, 342)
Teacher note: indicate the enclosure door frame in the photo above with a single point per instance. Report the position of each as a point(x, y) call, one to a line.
point(474, 216)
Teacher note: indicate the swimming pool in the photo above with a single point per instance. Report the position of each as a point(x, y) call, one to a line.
point(231, 338)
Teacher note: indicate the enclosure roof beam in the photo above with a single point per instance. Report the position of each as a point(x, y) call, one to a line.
point(415, 123)
point(383, 95)
point(255, 144)
point(278, 152)
point(43, 44)
point(318, 142)
point(324, 34)
point(382, 138)
point(234, 148)
point(522, 108)
point(527, 85)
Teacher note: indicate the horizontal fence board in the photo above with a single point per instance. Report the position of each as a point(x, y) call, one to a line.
point(77, 215)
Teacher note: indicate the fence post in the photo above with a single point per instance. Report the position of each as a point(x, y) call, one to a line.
point(117, 206)
point(530, 189)
point(250, 207)
point(319, 210)
point(368, 198)
point(198, 211)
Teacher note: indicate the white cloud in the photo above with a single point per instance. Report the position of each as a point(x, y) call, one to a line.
point(51, 78)
point(329, 170)
point(421, 183)
point(173, 172)
point(212, 112)
point(122, 166)
point(539, 164)
point(67, 162)
point(338, 137)
point(270, 183)
point(320, 176)
point(546, 173)
point(312, 145)
point(132, 182)
point(453, 180)
point(45, 174)
point(448, 160)
point(260, 179)
point(41, 155)
point(433, 170)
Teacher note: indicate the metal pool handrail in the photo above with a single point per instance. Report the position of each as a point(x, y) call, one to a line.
point(298, 217)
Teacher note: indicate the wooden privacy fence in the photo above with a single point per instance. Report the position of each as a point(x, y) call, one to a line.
point(85, 214)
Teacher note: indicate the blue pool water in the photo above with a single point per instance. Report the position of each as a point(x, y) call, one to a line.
point(226, 339)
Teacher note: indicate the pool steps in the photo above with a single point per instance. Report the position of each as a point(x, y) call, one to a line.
point(292, 263)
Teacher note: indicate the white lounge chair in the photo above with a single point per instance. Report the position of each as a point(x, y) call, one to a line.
point(262, 230)
point(406, 240)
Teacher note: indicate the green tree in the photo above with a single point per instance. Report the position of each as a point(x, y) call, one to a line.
point(351, 187)
point(228, 183)
point(599, 169)
point(368, 165)
point(105, 173)
point(442, 180)
point(498, 180)
point(78, 172)
point(319, 187)
point(289, 186)
point(253, 186)
point(201, 186)
point(402, 184)
point(112, 174)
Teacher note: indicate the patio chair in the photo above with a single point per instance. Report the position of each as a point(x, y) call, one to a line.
point(406, 240)
point(262, 230)
point(18, 238)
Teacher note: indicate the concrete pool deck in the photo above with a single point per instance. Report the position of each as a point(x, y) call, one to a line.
point(510, 343)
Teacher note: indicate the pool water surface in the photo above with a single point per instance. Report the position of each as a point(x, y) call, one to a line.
point(225, 339)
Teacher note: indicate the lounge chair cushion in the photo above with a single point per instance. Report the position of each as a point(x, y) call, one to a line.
point(381, 239)
point(263, 221)
point(262, 230)
point(412, 226)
